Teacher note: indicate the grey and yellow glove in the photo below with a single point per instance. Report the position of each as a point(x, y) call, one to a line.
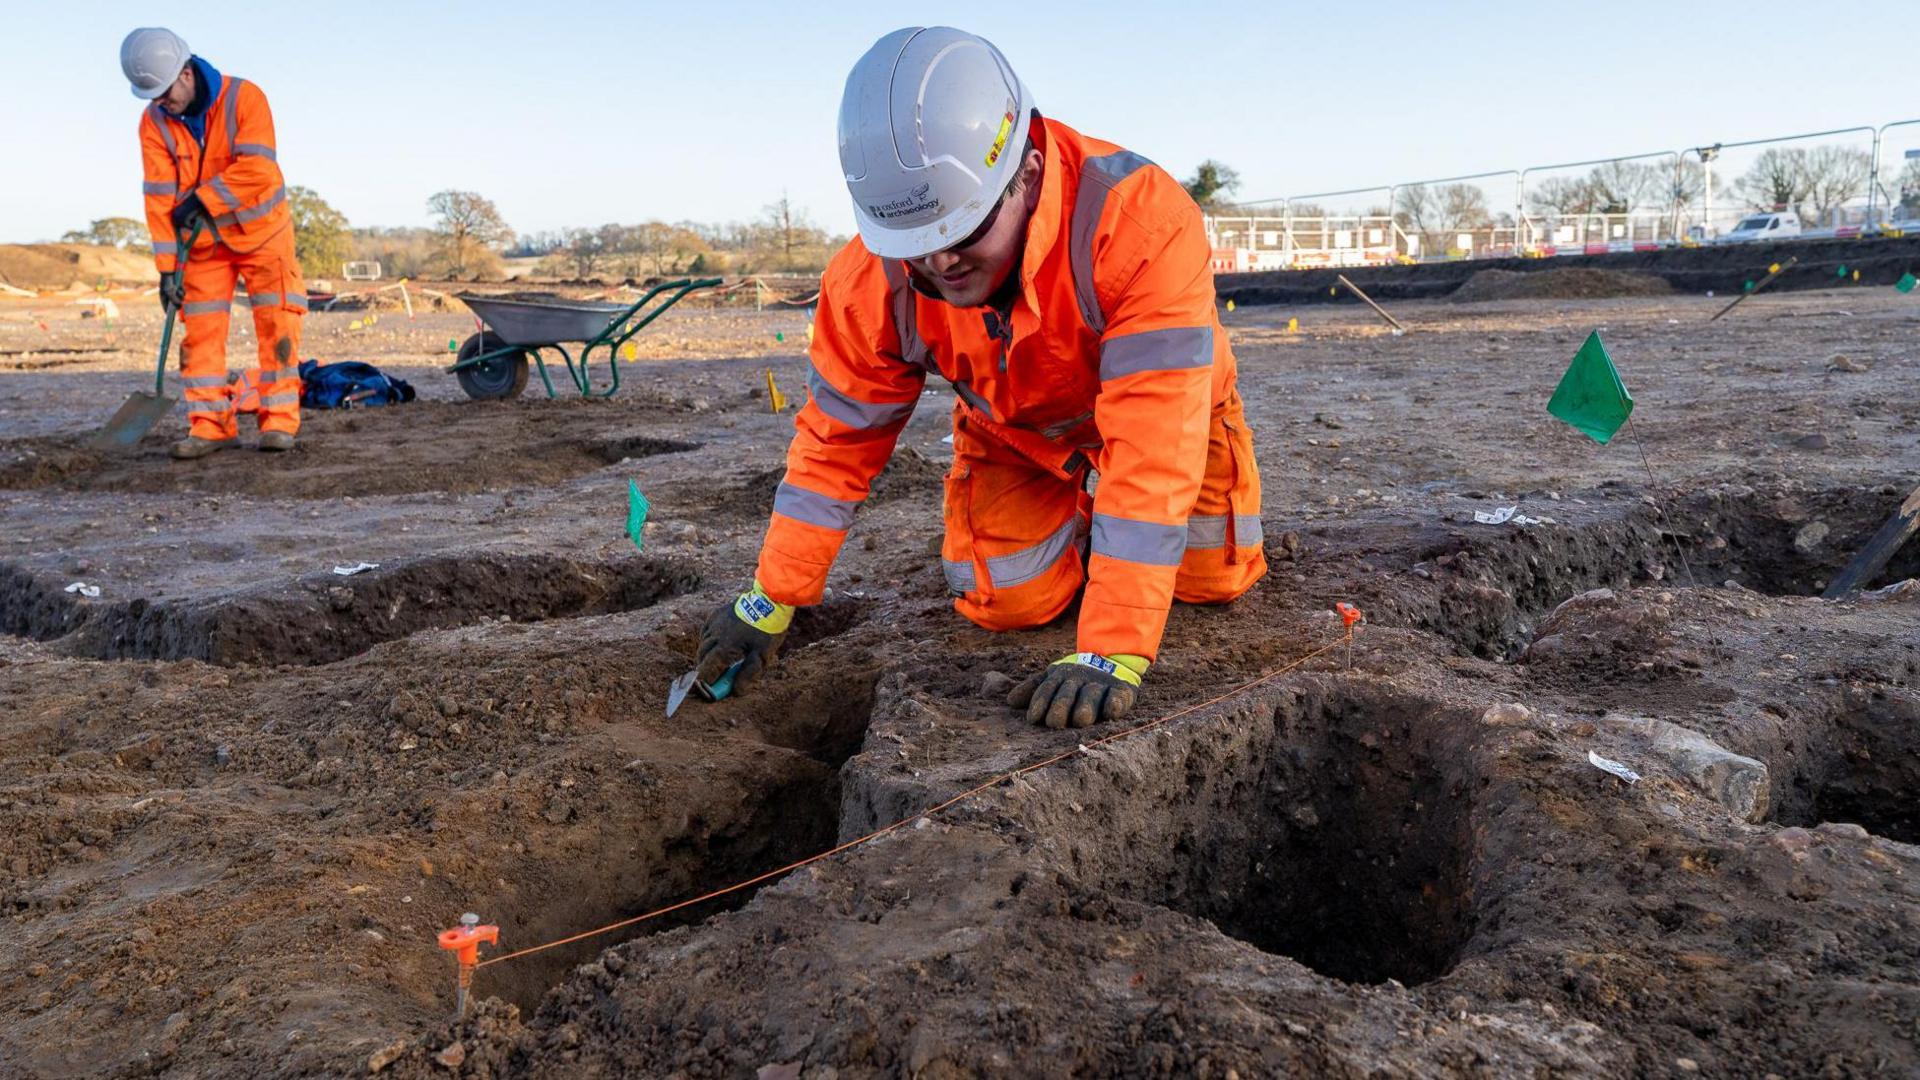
point(748, 631)
point(1079, 689)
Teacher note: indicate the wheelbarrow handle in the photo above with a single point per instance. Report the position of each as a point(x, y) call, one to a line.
point(166, 332)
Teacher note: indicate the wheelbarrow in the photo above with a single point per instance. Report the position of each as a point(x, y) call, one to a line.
point(492, 364)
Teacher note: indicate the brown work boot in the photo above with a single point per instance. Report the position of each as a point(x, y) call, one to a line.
point(276, 441)
point(193, 446)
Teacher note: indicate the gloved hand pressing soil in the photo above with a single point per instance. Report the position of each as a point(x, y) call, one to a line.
point(1080, 689)
point(750, 629)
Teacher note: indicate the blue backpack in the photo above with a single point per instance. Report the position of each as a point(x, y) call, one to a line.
point(347, 384)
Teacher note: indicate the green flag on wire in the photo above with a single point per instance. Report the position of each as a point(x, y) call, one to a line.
point(1591, 396)
point(1907, 282)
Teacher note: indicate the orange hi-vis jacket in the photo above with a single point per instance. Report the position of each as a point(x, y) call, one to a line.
point(1113, 352)
point(236, 174)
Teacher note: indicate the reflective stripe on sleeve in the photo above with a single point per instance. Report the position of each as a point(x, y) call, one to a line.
point(1174, 349)
point(221, 189)
point(150, 188)
point(257, 150)
point(166, 247)
point(813, 508)
point(1146, 542)
point(279, 196)
point(1098, 177)
point(851, 411)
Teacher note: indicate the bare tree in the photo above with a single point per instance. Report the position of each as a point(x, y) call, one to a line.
point(1415, 208)
point(470, 229)
point(1619, 187)
point(1463, 206)
point(1561, 195)
point(1833, 175)
point(1776, 181)
point(1907, 184)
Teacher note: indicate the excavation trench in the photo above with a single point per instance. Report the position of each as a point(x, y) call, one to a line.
point(672, 827)
point(1860, 766)
point(1333, 826)
point(1491, 587)
point(330, 618)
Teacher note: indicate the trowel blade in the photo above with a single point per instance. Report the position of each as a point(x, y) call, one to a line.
point(678, 689)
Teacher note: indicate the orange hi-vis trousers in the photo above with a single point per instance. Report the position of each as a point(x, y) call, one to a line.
point(279, 298)
point(1016, 533)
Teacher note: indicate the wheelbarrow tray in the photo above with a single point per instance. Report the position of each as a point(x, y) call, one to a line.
point(534, 322)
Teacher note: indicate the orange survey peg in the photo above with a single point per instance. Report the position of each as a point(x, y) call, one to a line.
point(464, 942)
point(1348, 613)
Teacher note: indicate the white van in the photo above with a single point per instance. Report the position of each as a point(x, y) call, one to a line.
point(1771, 226)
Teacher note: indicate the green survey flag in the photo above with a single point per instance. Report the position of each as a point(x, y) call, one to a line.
point(1907, 282)
point(636, 513)
point(1591, 396)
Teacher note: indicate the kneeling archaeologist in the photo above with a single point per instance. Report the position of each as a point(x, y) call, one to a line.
point(208, 154)
point(1062, 285)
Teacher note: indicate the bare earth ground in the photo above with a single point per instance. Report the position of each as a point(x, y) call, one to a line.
point(242, 793)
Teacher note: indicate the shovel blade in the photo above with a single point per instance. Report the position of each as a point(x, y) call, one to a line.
point(135, 418)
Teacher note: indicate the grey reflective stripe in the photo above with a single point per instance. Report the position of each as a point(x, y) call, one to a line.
point(206, 307)
point(967, 394)
point(257, 150)
point(812, 507)
point(221, 189)
point(901, 301)
point(959, 576)
point(1139, 541)
point(1210, 531)
point(1247, 531)
point(851, 411)
point(1174, 349)
point(224, 405)
point(1098, 177)
point(166, 247)
point(265, 299)
point(201, 382)
point(166, 133)
point(233, 111)
point(291, 397)
point(241, 217)
point(1008, 571)
point(150, 188)
point(297, 300)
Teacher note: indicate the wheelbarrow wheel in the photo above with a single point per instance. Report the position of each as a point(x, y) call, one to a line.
point(497, 378)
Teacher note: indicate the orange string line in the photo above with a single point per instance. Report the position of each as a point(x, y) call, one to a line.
point(929, 812)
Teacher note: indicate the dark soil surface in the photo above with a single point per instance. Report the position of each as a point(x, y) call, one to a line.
point(1558, 283)
point(1723, 269)
point(244, 792)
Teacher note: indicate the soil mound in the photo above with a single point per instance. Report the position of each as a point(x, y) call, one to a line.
point(57, 266)
point(1560, 283)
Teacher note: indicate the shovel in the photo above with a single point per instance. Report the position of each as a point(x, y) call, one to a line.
point(142, 410)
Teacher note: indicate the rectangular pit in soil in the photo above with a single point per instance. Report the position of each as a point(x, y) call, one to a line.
point(1334, 827)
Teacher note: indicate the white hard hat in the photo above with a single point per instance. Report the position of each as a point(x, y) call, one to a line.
point(931, 128)
point(152, 57)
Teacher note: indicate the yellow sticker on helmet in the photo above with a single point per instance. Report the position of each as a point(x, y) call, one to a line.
point(1000, 141)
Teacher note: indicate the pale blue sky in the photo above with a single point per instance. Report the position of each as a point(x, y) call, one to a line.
point(582, 113)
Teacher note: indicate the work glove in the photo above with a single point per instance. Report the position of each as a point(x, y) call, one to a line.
point(173, 292)
point(748, 630)
point(1078, 689)
point(189, 213)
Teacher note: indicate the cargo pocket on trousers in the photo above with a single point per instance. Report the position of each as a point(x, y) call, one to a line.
point(956, 545)
point(1243, 498)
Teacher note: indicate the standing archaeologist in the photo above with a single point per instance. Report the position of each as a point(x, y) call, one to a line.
point(1062, 285)
point(207, 151)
